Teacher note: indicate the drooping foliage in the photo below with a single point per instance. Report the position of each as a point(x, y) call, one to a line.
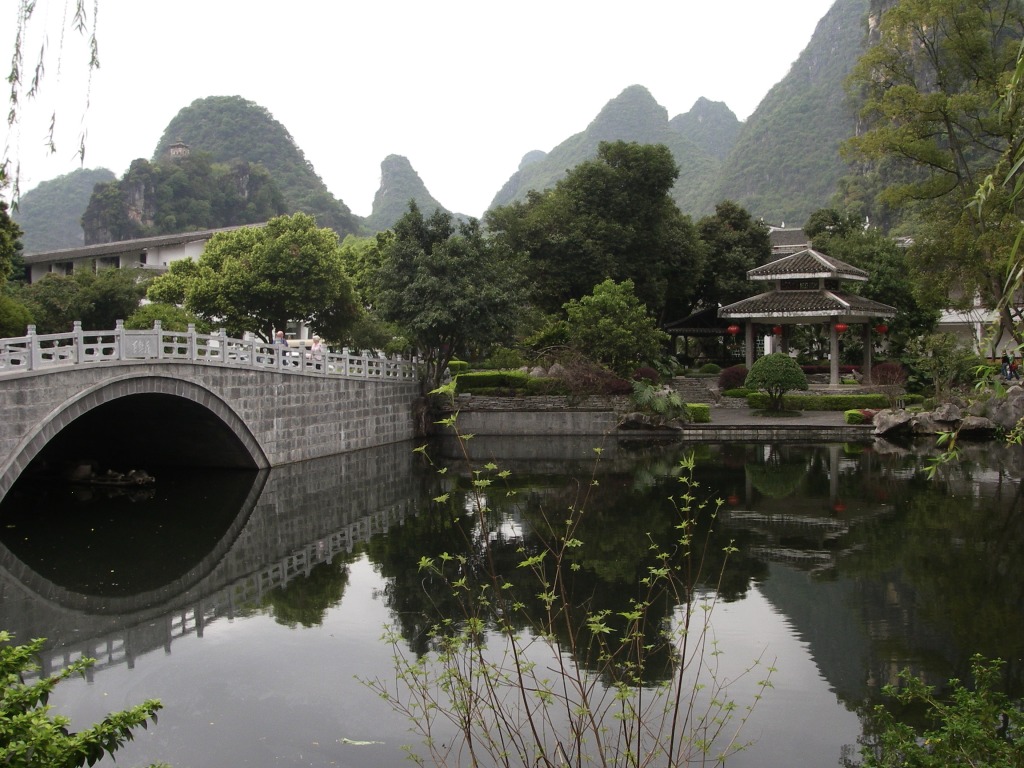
point(929, 90)
point(180, 194)
point(258, 279)
point(446, 287)
point(609, 218)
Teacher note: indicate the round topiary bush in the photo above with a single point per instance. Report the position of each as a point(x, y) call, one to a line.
point(776, 374)
point(732, 377)
point(710, 368)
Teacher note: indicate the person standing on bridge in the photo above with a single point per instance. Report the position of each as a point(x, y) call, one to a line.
point(280, 340)
point(316, 352)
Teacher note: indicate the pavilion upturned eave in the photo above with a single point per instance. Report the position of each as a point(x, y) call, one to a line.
point(810, 306)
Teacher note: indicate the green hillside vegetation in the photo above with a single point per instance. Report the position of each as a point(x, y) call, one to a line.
point(399, 183)
point(50, 215)
point(180, 195)
point(633, 116)
point(230, 128)
point(786, 162)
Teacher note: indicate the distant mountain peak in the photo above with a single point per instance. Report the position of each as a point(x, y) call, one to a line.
point(399, 183)
point(633, 113)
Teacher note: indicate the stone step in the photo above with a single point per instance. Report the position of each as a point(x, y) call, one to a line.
point(695, 390)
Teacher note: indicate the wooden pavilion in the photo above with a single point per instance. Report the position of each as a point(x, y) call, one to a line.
point(807, 290)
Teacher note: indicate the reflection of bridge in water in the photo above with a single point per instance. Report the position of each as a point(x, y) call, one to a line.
point(303, 515)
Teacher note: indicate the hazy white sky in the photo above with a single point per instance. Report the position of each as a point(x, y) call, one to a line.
point(462, 88)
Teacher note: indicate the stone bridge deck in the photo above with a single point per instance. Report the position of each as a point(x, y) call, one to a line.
point(186, 398)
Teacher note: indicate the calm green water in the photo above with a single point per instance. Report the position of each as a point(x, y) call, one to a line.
point(249, 603)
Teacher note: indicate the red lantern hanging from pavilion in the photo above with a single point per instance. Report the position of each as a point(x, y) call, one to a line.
point(841, 327)
point(777, 330)
point(882, 328)
point(733, 329)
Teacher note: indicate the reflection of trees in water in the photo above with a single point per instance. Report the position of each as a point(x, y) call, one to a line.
point(306, 599)
point(625, 525)
point(949, 563)
point(779, 475)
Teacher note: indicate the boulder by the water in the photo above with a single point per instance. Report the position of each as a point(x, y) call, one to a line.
point(1006, 411)
point(978, 427)
point(946, 412)
point(892, 421)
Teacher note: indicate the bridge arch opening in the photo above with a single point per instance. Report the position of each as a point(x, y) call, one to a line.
point(148, 431)
point(139, 422)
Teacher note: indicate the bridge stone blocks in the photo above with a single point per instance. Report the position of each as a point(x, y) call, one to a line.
point(275, 417)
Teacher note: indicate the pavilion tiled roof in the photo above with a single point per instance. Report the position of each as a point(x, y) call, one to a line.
point(805, 305)
point(806, 264)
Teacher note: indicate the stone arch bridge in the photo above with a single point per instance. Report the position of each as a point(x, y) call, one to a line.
point(188, 399)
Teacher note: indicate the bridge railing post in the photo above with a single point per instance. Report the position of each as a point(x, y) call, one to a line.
point(79, 338)
point(31, 347)
point(119, 340)
point(192, 356)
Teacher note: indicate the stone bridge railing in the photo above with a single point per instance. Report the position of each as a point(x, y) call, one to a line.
point(35, 352)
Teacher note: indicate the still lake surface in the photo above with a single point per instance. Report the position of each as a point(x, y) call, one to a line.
point(252, 604)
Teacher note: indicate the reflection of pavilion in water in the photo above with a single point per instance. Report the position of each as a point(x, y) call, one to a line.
point(304, 515)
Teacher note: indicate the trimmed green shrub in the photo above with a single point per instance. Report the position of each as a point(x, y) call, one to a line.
point(776, 374)
point(539, 385)
point(474, 381)
point(759, 400)
point(859, 416)
point(700, 413)
point(457, 366)
point(710, 369)
point(503, 359)
point(737, 392)
point(732, 377)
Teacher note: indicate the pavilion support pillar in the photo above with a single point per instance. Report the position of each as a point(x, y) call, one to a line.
point(868, 351)
point(833, 346)
point(748, 343)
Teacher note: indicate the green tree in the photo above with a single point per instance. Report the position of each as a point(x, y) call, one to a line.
point(612, 327)
point(257, 279)
point(734, 244)
point(929, 89)
point(171, 317)
point(31, 736)
point(776, 374)
point(14, 317)
point(847, 238)
point(447, 288)
point(610, 218)
point(975, 725)
point(98, 299)
point(10, 243)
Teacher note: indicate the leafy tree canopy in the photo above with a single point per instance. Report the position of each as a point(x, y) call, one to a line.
point(609, 218)
point(98, 299)
point(447, 287)
point(613, 327)
point(171, 317)
point(892, 280)
point(929, 91)
point(735, 243)
point(257, 279)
